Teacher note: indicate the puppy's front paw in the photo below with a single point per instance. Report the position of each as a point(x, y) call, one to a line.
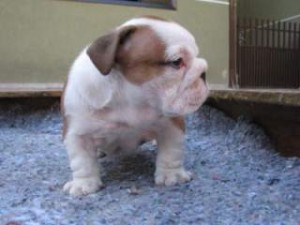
point(83, 186)
point(170, 177)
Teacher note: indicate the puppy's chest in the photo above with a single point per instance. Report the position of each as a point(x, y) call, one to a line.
point(134, 117)
point(126, 129)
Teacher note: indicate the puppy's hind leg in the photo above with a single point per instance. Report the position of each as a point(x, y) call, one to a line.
point(84, 166)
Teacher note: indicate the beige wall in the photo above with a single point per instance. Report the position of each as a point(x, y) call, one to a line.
point(40, 38)
point(269, 9)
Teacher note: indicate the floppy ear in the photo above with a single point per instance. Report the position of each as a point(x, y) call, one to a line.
point(103, 51)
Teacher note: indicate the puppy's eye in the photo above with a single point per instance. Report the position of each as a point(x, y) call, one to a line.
point(177, 64)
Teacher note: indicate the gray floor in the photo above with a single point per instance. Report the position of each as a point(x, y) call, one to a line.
point(239, 179)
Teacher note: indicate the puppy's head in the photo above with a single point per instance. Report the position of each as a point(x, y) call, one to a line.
point(158, 56)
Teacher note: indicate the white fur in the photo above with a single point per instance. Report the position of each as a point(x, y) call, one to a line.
point(111, 114)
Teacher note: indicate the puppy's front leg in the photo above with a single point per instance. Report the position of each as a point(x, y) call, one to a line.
point(169, 162)
point(84, 165)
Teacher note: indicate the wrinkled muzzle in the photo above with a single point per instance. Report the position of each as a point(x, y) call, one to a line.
point(189, 94)
point(187, 101)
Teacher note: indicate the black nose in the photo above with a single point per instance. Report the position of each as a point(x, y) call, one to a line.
point(203, 76)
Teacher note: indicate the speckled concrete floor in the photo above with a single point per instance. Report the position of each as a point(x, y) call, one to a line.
point(239, 179)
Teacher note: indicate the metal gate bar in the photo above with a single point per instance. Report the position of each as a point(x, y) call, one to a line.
point(268, 54)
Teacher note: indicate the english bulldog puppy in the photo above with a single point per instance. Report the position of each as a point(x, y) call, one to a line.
point(127, 87)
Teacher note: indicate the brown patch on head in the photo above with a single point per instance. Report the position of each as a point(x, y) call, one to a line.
point(178, 122)
point(102, 52)
point(141, 57)
point(137, 51)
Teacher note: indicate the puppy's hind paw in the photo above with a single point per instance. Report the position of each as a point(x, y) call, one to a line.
point(82, 186)
point(170, 177)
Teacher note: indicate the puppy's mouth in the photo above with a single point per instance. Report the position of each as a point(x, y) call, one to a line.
point(188, 100)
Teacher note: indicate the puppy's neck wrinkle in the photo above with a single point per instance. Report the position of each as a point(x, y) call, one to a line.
point(126, 93)
point(128, 104)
